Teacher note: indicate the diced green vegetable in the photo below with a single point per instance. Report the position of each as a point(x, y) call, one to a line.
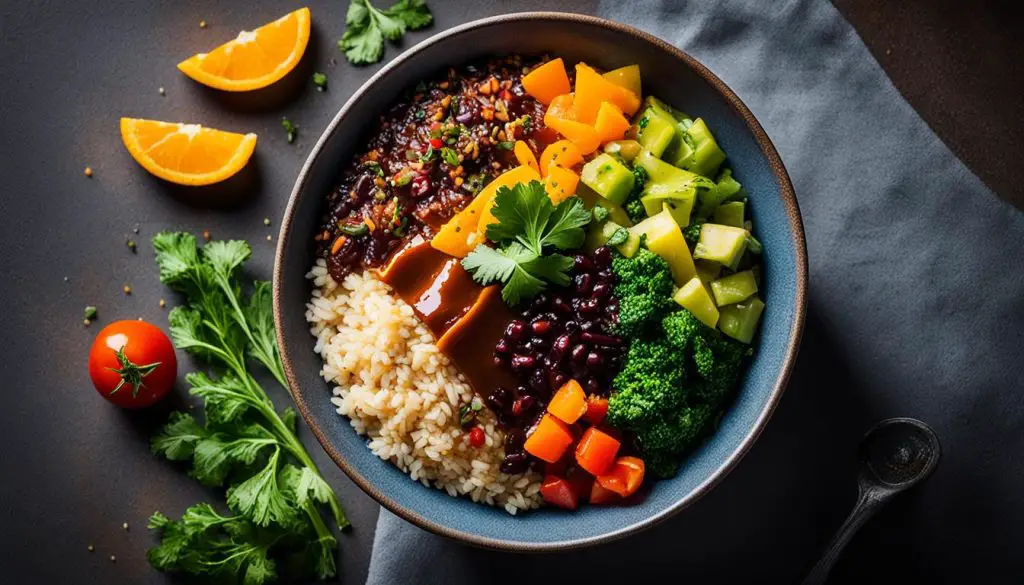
point(667, 183)
point(664, 237)
point(734, 288)
point(721, 243)
point(695, 298)
point(613, 234)
point(699, 152)
point(679, 203)
point(730, 213)
point(608, 177)
point(739, 321)
point(753, 246)
point(657, 134)
point(666, 111)
point(627, 149)
point(729, 188)
point(615, 212)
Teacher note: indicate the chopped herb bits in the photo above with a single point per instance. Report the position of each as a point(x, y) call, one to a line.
point(291, 129)
point(320, 81)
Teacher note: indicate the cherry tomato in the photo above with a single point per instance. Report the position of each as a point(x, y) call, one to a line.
point(132, 363)
point(476, 437)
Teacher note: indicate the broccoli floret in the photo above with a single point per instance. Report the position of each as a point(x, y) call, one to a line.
point(643, 285)
point(635, 209)
point(717, 362)
point(672, 388)
point(691, 233)
point(651, 381)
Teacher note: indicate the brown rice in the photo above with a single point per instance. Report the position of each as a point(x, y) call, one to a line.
point(398, 389)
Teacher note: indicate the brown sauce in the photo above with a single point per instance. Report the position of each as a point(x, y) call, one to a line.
point(466, 318)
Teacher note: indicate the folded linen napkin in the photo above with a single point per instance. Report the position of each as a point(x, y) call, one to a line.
point(916, 309)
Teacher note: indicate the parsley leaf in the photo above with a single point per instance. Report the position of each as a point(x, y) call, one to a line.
point(450, 157)
point(290, 129)
point(528, 227)
point(320, 81)
point(366, 27)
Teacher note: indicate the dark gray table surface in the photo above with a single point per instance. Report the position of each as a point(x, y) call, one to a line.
point(75, 468)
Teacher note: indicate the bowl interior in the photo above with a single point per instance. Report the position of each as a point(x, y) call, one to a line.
point(665, 74)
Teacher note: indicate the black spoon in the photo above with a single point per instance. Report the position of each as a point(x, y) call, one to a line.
point(895, 454)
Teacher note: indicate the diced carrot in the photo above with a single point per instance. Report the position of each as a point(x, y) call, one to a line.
point(582, 135)
point(563, 153)
point(596, 451)
point(560, 184)
point(625, 476)
point(525, 156)
point(600, 495)
point(560, 108)
point(569, 403)
point(592, 89)
point(597, 408)
point(549, 440)
point(610, 123)
point(558, 491)
point(547, 81)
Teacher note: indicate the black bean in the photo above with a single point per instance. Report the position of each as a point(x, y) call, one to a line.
point(522, 362)
point(582, 264)
point(579, 353)
point(600, 339)
point(601, 290)
point(582, 283)
point(515, 330)
point(603, 256)
point(589, 306)
point(515, 463)
point(593, 359)
point(502, 346)
point(540, 327)
point(561, 346)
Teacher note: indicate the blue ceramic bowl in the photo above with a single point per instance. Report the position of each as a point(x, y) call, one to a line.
point(682, 82)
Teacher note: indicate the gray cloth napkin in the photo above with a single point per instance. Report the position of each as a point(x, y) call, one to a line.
point(916, 309)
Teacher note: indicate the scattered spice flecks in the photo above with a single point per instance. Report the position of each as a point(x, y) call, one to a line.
point(291, 129)
point(163, 303)
point(127, 289)
point(125, 526)
point(135, 229)
point(113, 559)
point(92, 548)
point(266, 221)
point(162, 91)
point(90, 313)
point(320, 81)
point(270, 238)
point(131, 246)
point(202, 24)
point(206, 235)
point(88, 171)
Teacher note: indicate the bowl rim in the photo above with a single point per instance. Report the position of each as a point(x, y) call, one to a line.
point(795, 223)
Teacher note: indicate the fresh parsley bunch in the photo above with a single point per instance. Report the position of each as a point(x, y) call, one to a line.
point(528, 229)
point(366, 27)
point(274, 488)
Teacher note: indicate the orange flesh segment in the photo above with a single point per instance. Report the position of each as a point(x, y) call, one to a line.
point(560, 184)
point(563, 153)
point(187, 154)
point(525, 156)
point(509, 179)
point(549, 440)
point(569, 403)
point(547, 81)
point(254, 59)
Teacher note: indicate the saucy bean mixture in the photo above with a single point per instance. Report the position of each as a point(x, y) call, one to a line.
point(428, 156)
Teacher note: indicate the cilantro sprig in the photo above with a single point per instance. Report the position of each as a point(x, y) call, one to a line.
point(244, 444)
point(528, 230)
point(366, 27)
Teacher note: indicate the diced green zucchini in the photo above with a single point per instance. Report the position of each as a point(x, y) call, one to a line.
point(615, 212)
point(665, 238)
point(664, 109)
point(721, 243)
point(679, 202)
point(601, 235)
point(627, 149)
point(734, 288)
point(608, 177)
point(694, 298)
point(698, 151)
point(657, 134)
point(739, 321)
point(730, 213)
point(728, 187)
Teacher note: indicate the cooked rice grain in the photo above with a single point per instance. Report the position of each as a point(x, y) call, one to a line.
point(397, 388)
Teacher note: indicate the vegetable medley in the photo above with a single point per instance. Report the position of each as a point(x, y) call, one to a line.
point(641, 178)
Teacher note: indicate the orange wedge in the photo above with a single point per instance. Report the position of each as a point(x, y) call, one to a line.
point(255, 59)
point(186, 154)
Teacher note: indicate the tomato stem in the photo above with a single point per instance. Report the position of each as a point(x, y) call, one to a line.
point(131, 373)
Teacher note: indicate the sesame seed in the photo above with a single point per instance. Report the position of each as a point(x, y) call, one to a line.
point(92, 548)
point(266, 221)
point(163, 303)
point(202, 24)
point(113, 559)
point(162, 91)
point(88, 171)
point(269, 238)
point(86, 322)
point(206, 235)
point(127, 289)
point(125, 526)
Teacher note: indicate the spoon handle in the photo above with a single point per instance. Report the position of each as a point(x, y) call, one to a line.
point(868, 502)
